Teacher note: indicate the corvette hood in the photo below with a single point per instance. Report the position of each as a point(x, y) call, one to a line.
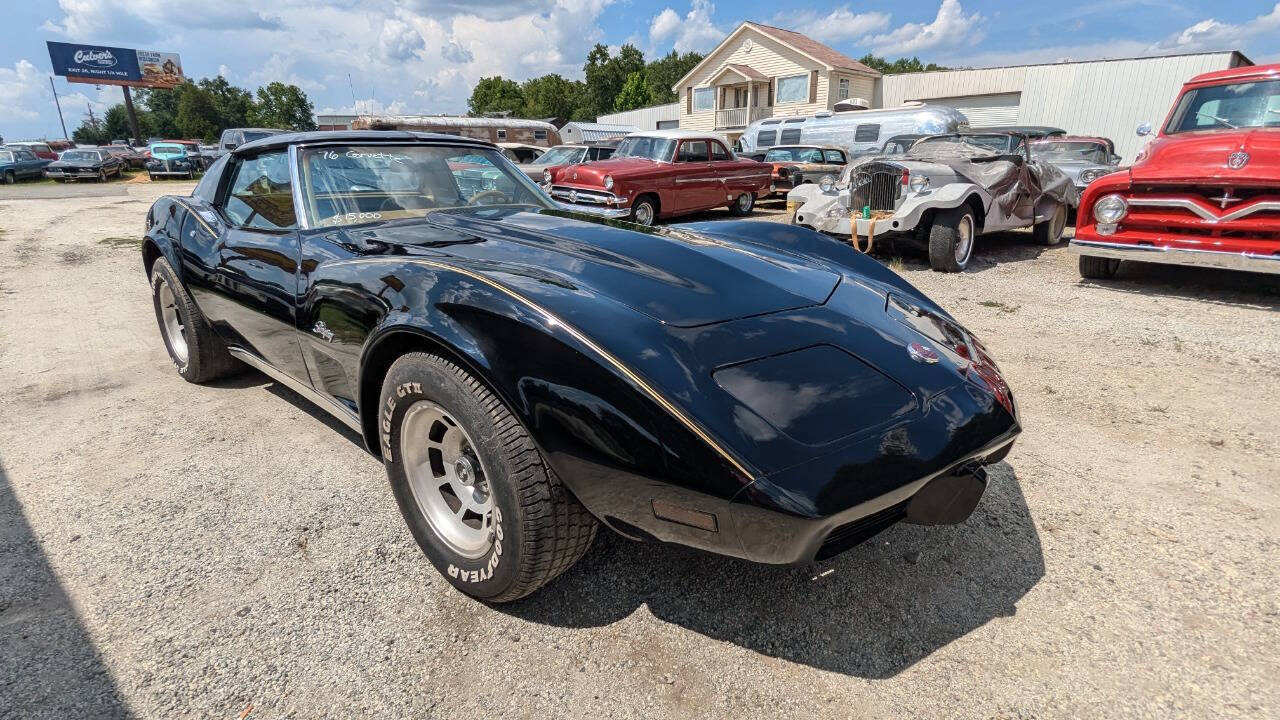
point(1202, 155)
point(678, 277)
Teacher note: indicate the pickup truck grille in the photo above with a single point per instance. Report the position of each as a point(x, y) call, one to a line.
point(1205, 211)
point(876, 185)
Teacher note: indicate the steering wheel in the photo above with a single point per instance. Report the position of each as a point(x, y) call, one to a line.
point(480, 196)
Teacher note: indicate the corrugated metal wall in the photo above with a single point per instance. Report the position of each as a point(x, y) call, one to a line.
point(1106, 97)
point(644, 118)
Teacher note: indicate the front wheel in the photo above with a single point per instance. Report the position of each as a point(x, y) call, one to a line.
point(644, 211)
point(10, 178)
point(1050, 231)
point(742, 205)
point(479, 498)
point(1098, 268)
point(951, 239)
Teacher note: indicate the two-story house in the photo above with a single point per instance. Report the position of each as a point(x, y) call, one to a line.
point(760, 71)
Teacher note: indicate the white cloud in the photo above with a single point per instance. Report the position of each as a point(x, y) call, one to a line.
point(399, 41)
point(1212, 34)
point(695, 31)
point(149, 19)
point(368, 106)
point(455, 53)
point(20, 88)
point(839, 25)
point(950, 28)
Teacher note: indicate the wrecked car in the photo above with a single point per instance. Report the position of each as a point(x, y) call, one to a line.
point(943, 193)
point(1083, 159)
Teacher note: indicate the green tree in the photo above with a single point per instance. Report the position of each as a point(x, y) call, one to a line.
point(496, 95)
point(551, 96)
point(634, 93)
point(283, 106)
point(162, 105)
point(607, 74)
point(899, 66)
point(115, 122)
point(665, 72)
point(197, 115)
point(91, 132)
point(232, 104)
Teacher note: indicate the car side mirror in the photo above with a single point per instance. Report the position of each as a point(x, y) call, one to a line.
point(1115, 159)
point(230, 146)
point(1144, 129)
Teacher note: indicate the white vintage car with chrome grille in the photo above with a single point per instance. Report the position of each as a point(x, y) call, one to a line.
point(944, 192)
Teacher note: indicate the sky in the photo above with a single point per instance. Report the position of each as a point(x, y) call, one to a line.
point(423, 56)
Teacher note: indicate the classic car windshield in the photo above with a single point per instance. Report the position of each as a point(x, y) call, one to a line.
point(1076, 151)
point(80, 156)
point(562, 155)
point(167, 151)
point(1237, 105)
point(650, 148)
point(6, 156)
point(959, 143)
point(350, 184)
point(804, 155)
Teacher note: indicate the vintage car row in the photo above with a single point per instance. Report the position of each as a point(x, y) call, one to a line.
point(661, 174)
point(526, 374)
point(86, 163)
point(1204, 192)
point(943, 193)
point(19, 163)
point(573, 154)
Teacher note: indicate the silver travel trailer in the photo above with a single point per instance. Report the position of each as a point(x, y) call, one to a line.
point(858, 132)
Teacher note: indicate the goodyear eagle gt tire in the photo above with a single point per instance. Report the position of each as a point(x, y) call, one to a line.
point(479, 499)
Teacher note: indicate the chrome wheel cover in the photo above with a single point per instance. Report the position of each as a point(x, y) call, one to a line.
point(1059, 224)
point(644, 214)
point(175, 332)
point(744, 202)
point(448, 481)
point(964, 240)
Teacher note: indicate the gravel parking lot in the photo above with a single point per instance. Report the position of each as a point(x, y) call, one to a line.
point(169, 550)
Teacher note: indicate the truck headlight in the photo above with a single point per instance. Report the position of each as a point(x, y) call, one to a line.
point(827, 183)
point(608, 182)
point(1110, 209)
point(918, 183)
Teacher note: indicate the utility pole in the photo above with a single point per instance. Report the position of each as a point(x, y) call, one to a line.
point(57, 104)
point(133, 116)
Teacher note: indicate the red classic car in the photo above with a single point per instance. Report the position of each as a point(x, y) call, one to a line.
point(661, 174)
point(1205, 191)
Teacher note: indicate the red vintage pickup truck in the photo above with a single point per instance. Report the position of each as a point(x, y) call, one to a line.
point(1205, 191)
point(661, 174)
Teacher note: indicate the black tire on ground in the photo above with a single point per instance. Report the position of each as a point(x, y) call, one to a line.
point(948, 249)
point(102, 176)
point(742, 205)
point(644, 211)
point(538, 528)
point(10, 178)
point(1050, 231)
point(151, 177)
point(206, 356)
point(191, 174)
point(1098, 268)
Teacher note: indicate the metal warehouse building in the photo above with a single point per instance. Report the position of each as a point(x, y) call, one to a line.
point(1102, 97)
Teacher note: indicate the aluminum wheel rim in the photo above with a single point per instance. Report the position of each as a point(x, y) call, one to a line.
point(448, 482)
point(1059, 225)
point(964, 240)
point(744, 202)
point(175, 332)
point(644, 214)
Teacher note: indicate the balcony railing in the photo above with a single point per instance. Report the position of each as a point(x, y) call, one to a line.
point(740, 117)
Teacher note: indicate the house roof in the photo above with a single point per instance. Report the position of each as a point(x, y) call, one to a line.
point(802, 44)
point(745, 71)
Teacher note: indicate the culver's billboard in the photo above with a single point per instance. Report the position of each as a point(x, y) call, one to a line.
point(104, 65)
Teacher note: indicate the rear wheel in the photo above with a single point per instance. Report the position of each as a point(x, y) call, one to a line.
point(10, 178)
point(102, 175)
point(951, 239)
point(644, 211)
point(1050, 231)
point(195, 350)
point(742, 205)
point(481, 502)
point(1098, 268)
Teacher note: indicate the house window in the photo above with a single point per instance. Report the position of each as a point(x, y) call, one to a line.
point(668, 124)
point(502, 134)
point(766, 138)
point(791, 136)
point(703, 98)
point(539, 134)
point(866, 133)
point(842, 93)
point(793, 89)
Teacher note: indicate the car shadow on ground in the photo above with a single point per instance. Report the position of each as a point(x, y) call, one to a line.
point(872, 612)
point(49, 666)
point(251, 378)
point(1206, 285)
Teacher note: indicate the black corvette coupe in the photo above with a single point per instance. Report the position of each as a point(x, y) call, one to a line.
point(755, 390)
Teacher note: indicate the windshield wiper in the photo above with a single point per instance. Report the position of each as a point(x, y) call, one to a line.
point(1215, 117)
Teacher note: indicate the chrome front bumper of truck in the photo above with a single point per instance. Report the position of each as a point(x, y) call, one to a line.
point(1249, 262)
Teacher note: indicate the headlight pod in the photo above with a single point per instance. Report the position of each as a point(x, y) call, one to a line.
point(1088, 176)
point(827, 183)
point(608, 182)
point(918, 183)
point(546, 177)
point(1110, 209)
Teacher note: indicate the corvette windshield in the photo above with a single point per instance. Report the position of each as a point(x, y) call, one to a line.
point(649, 148)
point(563, 155)
point(1220, 107)
point(1090, 152)
point(353, 184)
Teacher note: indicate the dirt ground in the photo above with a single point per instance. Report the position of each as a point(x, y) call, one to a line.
point(172, 550)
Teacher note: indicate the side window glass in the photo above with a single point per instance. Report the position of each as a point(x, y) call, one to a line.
point(692, 151)
point(790, 136)
point(766, 138)
point(260, 195)
point(866, 133)
point(835, 156)
point(718, 152)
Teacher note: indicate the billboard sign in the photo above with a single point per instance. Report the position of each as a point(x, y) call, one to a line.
point(102, 65)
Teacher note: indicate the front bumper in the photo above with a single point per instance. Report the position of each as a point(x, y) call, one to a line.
point(596, 210)
point(72, 175)
point(590, 200)
point(175, 173)
point(1166, 255)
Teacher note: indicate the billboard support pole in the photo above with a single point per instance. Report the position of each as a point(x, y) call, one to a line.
point(58, 105)
point(133, 116)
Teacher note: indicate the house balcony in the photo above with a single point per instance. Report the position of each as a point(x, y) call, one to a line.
point(737, 118)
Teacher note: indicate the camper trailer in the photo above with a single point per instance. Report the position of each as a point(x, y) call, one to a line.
point(494, 130)
point(857, 131)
